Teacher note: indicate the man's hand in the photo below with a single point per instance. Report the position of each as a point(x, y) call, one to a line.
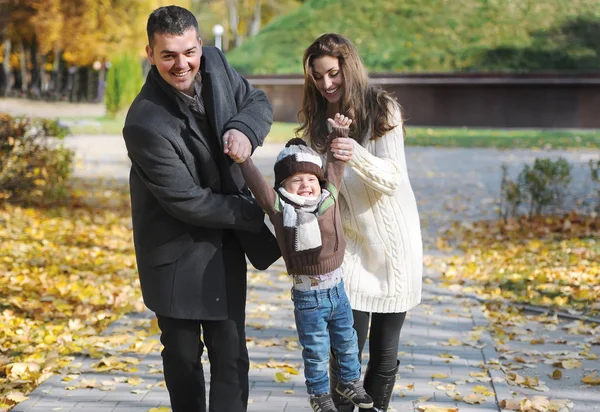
point(237, 145)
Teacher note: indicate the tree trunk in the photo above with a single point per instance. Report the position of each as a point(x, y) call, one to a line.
point(74, 87)
point(6, 66)
point(23, 68)
point(57, 74)
point(234, 21)
point(254, 26)
point(90, 85)
point(36, 70)
point(101, 84)
point(44, 77)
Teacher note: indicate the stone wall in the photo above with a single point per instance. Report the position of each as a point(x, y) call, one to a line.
point(475, 100)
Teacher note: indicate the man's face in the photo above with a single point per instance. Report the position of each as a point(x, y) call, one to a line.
point(177, 58)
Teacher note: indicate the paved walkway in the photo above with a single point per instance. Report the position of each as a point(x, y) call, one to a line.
point(446, 347)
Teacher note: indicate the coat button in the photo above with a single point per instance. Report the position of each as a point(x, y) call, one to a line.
point(218, 299)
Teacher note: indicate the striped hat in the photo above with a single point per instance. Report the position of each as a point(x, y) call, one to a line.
point(297, 157)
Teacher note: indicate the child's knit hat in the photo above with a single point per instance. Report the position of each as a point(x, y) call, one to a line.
point(297, 157)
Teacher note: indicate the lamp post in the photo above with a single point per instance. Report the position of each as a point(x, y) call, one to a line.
point(218, 31)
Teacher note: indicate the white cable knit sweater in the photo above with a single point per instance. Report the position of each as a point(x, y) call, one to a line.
point(383, 263)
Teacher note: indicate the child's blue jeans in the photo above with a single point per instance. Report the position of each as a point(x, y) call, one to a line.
point(324, 319)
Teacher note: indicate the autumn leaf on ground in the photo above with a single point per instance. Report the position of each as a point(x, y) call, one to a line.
point(449, 356)
point(15, 396)
point(592, 379)
point(281, 377)
point(453, 342)
point(69, 273)
point(434, 408)
point(291, 370)
point(83, 384)
point(135, 380)
point(511, 404)
point(533, 261)
point(474, 398)
point(568, 364)
point(536, 404)
point(483, 390)
point(457, 396)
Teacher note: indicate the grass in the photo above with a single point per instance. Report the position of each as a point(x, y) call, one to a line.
point(434, 35)
point(471, 137)
point(503, 138)
point(416, 136)
point(95, 125)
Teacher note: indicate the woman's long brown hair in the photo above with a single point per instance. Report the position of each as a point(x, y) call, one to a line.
point(370, 108)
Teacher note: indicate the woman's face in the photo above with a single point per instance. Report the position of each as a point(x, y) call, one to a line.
point(328, 78)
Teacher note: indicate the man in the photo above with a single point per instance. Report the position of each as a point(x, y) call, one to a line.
point(193, 218)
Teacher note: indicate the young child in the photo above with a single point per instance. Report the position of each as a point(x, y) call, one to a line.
point(304, 211)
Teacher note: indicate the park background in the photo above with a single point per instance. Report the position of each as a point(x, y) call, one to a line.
point(502, 103)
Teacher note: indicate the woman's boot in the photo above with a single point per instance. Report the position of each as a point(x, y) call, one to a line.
point(380, 385)
point(341, 403)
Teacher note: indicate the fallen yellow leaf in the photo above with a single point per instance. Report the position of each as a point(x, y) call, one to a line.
point(15, 396)
point(592, 379)
point(281, 377)
point(474, 398)
point(434, 408)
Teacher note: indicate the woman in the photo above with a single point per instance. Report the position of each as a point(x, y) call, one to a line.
point(383, 262)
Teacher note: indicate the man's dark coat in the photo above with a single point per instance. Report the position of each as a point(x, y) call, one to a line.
point(186, 195)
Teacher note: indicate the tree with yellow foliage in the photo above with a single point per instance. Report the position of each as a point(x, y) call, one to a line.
point(62, 39)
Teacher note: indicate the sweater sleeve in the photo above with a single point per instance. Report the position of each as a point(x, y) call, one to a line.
point(265, 195)
point(384, 169)
point(334, 170)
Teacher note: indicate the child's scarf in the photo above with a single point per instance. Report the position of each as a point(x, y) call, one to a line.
point(302, 218)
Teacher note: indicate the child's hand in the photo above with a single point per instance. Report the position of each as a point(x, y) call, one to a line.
point(340, 121)
point(342, 147)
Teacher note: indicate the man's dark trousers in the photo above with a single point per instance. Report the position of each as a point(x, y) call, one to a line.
point(225, 340)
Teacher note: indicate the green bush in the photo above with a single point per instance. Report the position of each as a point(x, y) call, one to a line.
point(123, 82)
point(33, 171)
point(510, 196)
point(595, 175)
point(545, 183)
point(538, 186)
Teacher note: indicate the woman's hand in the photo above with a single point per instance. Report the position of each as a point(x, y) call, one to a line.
point(342, 147)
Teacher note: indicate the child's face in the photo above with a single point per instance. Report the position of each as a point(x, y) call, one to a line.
point(303, 184)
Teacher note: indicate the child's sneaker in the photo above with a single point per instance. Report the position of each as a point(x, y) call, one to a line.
point(355, 393)
point(322, 403)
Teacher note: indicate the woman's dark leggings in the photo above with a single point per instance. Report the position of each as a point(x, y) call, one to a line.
point(383, 338)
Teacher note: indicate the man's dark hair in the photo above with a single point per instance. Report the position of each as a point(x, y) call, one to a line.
point(170, 20)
